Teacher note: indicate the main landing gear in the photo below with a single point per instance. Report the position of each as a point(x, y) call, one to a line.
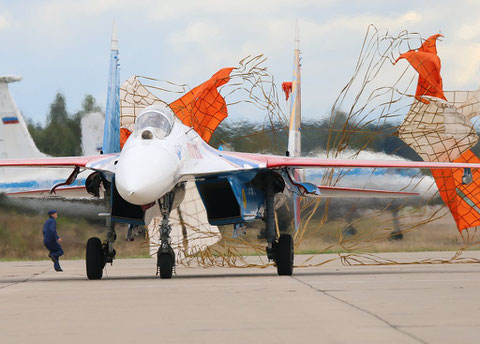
point(98, 254)
point(165, 254)
point(284, 254)
point(95, 258)
point(281, 251)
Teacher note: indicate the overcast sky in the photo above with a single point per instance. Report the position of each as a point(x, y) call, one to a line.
point(63, 45)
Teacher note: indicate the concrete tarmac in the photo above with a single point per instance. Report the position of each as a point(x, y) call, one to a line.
point(327, 304)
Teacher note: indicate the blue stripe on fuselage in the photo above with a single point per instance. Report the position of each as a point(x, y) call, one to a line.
point(239, 162)
point(234, 160)
point(34, 185)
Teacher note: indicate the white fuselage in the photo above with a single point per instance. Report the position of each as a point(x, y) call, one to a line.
point(149, 168)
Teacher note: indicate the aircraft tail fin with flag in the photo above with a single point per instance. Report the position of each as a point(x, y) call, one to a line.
point(294, 135)
point(293, 91)
point(15, 140)
point(111, 132)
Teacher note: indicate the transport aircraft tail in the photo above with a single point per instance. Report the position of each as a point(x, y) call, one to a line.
point(17, 143)
point(111, 133)
point(15, 140)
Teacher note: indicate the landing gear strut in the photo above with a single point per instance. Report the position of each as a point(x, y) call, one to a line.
point(165, 254)
point(281, 251)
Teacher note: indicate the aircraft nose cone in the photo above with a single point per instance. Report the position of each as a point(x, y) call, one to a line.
point(144, 174)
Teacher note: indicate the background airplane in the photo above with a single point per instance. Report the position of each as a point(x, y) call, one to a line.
point(16, 142)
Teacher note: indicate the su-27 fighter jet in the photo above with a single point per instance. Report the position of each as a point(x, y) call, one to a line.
point(168, 147)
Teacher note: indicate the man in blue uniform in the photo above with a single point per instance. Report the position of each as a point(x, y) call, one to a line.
point(51, 240)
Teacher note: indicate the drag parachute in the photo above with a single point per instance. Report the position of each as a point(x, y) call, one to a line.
point(438, 127)
point(203, 108)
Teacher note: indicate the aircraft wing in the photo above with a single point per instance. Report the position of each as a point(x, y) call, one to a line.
point(65, 192)
point(68, 188)
point(274, 162)
point(249, 161)
point(103, 163)
point(342, 192)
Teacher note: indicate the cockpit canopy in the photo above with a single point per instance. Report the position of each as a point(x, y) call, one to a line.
point(155, 121)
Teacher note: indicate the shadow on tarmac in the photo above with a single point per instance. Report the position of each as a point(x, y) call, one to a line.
point(8, 280)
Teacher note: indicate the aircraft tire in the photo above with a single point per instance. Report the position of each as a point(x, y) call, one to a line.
point(95, 259)
point(284, 255)
point(165, 263)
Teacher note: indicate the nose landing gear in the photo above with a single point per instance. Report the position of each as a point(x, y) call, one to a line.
point(165, 254)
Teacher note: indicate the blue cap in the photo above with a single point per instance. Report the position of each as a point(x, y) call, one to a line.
point(53, 211)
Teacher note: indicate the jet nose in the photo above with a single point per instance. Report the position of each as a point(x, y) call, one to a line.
point(144, 174)
point(135, 192)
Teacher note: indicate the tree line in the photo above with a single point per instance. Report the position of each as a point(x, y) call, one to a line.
point(62, 134)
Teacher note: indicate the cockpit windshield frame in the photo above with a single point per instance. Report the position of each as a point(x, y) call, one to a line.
point(158, 121)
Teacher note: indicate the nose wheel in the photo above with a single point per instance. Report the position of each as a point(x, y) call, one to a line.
point(165, 262)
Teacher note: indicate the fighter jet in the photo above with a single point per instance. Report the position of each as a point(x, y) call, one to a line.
point(167, 147)
point(162, 154)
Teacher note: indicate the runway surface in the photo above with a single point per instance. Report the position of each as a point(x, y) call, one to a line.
point(328, 304)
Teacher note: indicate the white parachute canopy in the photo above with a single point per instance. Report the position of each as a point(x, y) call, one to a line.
point(440, 130)
point(134, 97)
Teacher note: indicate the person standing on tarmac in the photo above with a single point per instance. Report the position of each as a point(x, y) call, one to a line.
point(51, 240)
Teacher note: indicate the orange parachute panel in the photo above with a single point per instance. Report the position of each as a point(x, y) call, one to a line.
point(124, 135)
point(203, 108)
point(430, 44)
point(462, 200)
point(427, 64)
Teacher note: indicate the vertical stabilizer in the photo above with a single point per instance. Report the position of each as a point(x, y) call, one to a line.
point(111, 132)
point(294, 135)
point(15, 140)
